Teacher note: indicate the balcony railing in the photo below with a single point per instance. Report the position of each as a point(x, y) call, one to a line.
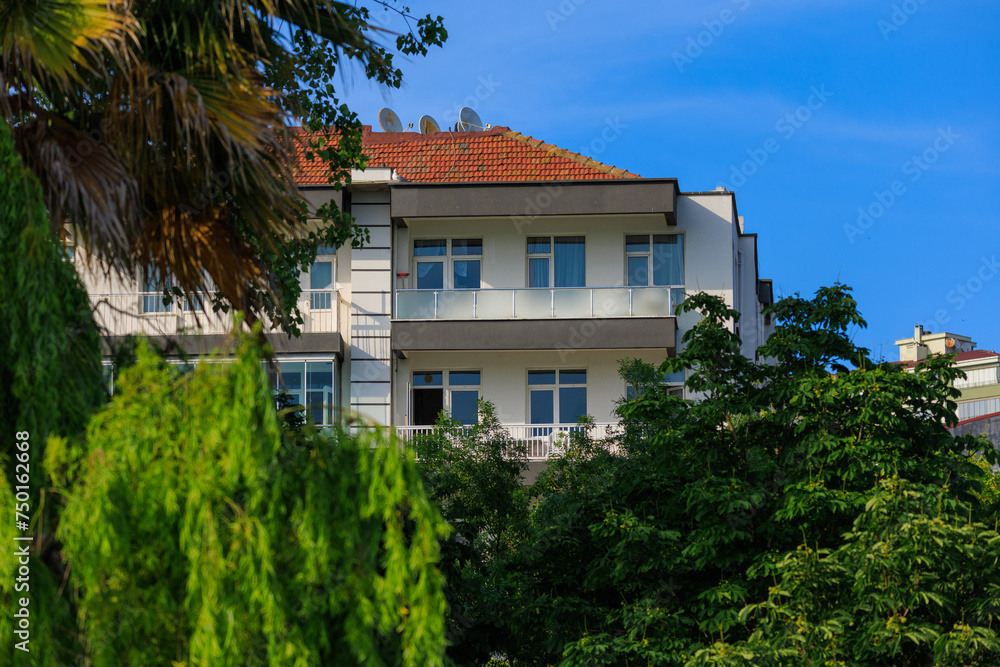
point(130, 313)
point(539, 442)
point(537, 303)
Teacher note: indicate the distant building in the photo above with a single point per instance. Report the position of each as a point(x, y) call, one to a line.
point(979, 405)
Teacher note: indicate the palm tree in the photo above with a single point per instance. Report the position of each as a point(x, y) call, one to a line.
point(159, 129)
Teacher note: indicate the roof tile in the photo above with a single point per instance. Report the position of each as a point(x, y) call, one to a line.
point(497, 154)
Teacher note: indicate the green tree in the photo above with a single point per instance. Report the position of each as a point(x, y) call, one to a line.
point(50, 382)
point(197, 534)
point(473, 473)
point(653, 556)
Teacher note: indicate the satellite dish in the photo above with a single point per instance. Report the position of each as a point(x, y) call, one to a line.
point(469, 120)
point(389, 121)
point(428, 125)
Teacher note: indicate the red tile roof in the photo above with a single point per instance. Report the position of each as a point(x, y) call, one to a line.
point(961, 356)
point(497, 154)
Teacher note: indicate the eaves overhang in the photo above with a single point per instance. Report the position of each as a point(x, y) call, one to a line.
point(532, 199)
point(559, 334)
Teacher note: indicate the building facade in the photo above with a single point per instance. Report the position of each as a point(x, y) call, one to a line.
point(498, 267)
point(980, 388)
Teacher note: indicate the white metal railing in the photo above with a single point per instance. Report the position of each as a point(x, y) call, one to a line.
point(538, 441)
point(537, 303)
point(130, 313)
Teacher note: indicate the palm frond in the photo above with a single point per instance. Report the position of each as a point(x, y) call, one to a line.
point(86, 183)
point(53, 41)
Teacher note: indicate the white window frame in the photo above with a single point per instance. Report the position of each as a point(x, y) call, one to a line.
point(551, 256)
point(447, 260)
point(670, 386)
point(555, 392)
point(330, 402)
point(316, 300)
point(648, 254)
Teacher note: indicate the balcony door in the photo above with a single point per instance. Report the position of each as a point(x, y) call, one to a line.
point(457, 392)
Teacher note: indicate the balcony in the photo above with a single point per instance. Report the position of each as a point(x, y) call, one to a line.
point(537, 303)
point(537, 442)
point(132, 313)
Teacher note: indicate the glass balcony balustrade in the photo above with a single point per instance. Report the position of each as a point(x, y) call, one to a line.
point(537, 303)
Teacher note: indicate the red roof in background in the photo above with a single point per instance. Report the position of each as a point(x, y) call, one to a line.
point(961, 356)
point(975, 419)
point(497, 154)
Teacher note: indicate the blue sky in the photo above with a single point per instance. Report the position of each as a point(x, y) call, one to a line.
point(861, 137)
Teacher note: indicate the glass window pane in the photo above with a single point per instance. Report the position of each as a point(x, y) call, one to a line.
point(292, 380)
point(541, 407)
point(291, 375)
point(638, 270)
point(573, 377)
point(538, 272)
point(541, 377)
point(321, 275)
point(569, 258)
point(319, 390)
point(153, 302)
point(668, 259)
point(572, 404)
point(637, 243)
point(326, 250)
point(430, 275)
point(464, 407)
point(539, 244)
point(427, 379)
point(674, 378)
point(464, 378)
point(430, 247)
point(467, 247)
point(467, 274)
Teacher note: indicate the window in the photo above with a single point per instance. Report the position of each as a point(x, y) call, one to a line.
point(557, 393)
point(559, 261)
point(432, 388)
point(656, 256)
point(310, 384)
point(321, 282)
point(437, 269)
point(152, 287)
point(672, 384)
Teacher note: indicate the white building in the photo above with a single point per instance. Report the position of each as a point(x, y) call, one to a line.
point(980, 388)
point(498, 267)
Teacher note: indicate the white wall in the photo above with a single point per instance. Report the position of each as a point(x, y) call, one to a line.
point(505, 377)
